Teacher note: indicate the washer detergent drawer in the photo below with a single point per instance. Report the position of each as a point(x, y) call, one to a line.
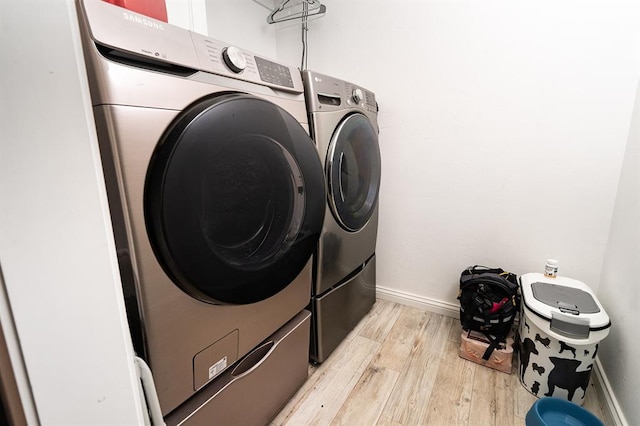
point(258, 386)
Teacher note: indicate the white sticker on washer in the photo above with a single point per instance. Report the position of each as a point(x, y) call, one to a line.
point(217, 368)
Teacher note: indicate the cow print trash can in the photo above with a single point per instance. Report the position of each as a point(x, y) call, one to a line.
point(561, 326)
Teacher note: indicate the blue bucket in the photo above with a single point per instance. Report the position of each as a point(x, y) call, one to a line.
point(559, 412)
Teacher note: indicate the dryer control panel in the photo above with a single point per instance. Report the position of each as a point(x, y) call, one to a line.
point(328, 94)
point(136, 35)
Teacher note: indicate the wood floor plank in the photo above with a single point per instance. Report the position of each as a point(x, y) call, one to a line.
point(316, 372)
point(396, 347)
point(450, 400)
point(399, 367)
point(593, 403)
point(368, 397)
point(386, 421)
point(493, 400)
point(456, 328)
point(407, 403)
point(518, 421)
point(380, 320)
point(523, 398)
point(330, 387)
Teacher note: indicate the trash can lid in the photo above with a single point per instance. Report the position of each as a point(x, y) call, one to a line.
point(564, 297)
point(568, 299)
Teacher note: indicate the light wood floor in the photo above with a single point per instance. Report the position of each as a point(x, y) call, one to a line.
point(400, 366)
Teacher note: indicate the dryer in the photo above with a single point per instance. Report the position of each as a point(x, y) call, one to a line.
point(343, 122)
point(215, 190)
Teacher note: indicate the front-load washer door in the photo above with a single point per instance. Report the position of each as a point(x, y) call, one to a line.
point(234, 199)
point(353, 172)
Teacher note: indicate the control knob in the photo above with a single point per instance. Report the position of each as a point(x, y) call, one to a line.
point(234, 58)
point(357, 95)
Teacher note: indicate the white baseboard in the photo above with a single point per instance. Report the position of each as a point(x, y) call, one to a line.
point(420, 302)
point(610, 403)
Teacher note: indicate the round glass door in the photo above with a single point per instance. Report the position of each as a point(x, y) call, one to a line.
point(233, 200)
point(353, 172)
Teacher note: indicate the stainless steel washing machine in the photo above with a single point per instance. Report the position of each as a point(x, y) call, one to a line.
point(343, 122)
point(215, 189)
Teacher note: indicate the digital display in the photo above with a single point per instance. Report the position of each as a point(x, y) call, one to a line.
point(270, 72)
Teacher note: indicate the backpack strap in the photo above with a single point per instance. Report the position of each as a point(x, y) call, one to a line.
point(479, 269)
point(493, 345)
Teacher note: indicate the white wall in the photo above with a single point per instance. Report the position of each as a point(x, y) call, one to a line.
point(189, 14)
point(56, 246)
point(502, 125)
point(619, 289)
point(242, 23)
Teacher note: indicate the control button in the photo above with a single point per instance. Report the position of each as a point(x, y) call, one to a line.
point(234, 58)
point(357, 95)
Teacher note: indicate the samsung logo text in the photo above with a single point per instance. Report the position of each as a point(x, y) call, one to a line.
point(142, 21)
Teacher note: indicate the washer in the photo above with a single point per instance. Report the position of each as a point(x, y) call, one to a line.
point(343, 121)
point(215, 189)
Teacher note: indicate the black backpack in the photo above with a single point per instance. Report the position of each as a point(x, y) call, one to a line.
point(489, 302)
